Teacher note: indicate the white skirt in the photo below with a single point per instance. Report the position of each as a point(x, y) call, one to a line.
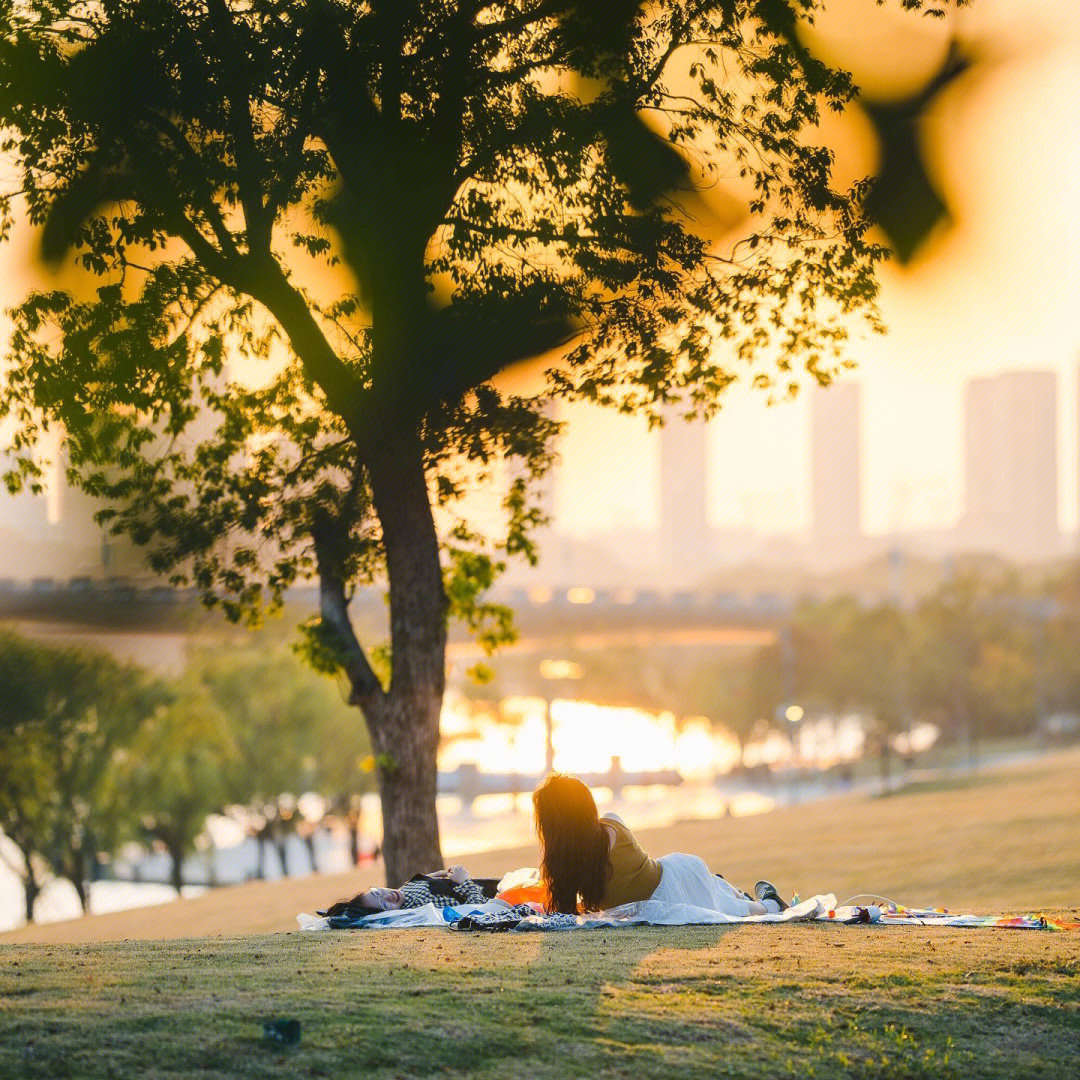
point(687, 880)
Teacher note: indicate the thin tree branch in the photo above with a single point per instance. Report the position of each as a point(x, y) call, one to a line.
point(249, 166)
point(206, 202)
point(365, 688)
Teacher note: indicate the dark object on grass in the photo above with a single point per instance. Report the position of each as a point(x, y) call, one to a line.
point(766, 890)
point(284, 1031)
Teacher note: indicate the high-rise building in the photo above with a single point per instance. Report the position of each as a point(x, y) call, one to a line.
point(684, 526)
point(1010, 463)
point(835, 464)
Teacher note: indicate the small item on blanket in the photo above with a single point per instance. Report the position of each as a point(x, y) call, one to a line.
point(523, 886)
point(285, 1030)
point(494, 921)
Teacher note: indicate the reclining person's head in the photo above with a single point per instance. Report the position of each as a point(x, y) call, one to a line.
point(368, 902)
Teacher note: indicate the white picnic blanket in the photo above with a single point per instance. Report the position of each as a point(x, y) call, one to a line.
point(649, 912)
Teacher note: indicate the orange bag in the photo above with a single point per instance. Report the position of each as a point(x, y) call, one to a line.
point(526, 894)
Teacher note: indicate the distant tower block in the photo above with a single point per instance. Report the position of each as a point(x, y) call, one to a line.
point(835, 464)
point(1010, 463)
point(684, 526)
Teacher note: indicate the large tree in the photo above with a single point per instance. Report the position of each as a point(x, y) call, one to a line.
point(388, 204)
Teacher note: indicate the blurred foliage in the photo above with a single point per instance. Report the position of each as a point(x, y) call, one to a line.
point(177, 772)
point(292, 731)
point(66, 717)
point(94, 752)
point(980, 656)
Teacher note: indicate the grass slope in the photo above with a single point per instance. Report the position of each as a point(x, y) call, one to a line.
point(747, 1001)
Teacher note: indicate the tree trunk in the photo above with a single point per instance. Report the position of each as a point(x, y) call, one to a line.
point(354, 821)
point(176, 853)
point(404, 722)
point(409, 738)
point(280, 840)
point(78, 879)
point(260, 843)
point(31, 889)
point(73, 867)
point(20, 837)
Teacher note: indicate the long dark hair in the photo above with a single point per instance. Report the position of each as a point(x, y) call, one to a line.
point(355, 907)
point(573, 843)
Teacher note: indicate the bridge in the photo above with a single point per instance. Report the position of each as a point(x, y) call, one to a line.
point(122, 603)
point(469, 783)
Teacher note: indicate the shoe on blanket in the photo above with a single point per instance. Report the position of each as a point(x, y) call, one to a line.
point(766, 890)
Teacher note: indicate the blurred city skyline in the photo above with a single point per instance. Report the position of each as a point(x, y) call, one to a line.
point(664, 520)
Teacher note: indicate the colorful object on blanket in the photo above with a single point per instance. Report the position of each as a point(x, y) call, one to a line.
point(526, 894)
point(900, 915)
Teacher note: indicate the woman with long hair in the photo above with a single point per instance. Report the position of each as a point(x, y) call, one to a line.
point(593, 863)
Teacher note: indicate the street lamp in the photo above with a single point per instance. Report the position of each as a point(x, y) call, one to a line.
point(556, 671)
point(793, 714)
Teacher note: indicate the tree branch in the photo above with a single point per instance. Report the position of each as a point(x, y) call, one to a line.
point(206, 204)
point(264, 280)
point(249, 167)
point(365, 688)
point(519, 22)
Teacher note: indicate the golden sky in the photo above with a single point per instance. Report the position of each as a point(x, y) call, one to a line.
point(997, 289)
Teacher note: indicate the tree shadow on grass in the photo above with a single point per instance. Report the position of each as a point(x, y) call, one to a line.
point(646, 1009)
point(589, 977)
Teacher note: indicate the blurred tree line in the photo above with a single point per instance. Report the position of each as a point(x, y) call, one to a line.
point(95, 753)
point(981, 656)
point(985, 654)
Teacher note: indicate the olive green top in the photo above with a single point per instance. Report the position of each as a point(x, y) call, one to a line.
point(634, 876)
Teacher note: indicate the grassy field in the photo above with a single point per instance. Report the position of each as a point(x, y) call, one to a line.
point(752, 1001)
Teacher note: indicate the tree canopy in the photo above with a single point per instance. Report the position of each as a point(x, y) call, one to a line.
point(321, 229)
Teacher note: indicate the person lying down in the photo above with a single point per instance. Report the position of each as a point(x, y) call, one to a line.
point(593, 863)
point(443, 888)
